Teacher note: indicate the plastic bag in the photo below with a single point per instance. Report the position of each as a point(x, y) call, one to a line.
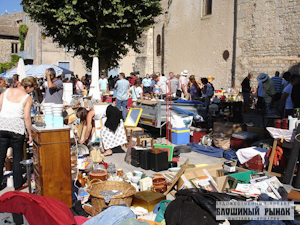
point(181, 122)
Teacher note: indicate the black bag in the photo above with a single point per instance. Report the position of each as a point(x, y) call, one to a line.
point(181, 149)
point(183, 211)
point(204, 204)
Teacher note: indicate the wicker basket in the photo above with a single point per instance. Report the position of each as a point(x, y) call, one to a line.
point(97, 200)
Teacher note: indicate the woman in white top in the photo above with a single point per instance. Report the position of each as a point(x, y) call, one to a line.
point(112, 133)
point(79, 86)
point(15, 119)
point(136, 92)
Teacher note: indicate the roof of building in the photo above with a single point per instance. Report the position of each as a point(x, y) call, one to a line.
point(9, 24)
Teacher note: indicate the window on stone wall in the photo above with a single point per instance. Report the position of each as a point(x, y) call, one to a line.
point(14, 48)
point(207, 7)
point(158, 45)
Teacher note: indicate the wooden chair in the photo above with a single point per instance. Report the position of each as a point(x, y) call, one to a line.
point(142, 141)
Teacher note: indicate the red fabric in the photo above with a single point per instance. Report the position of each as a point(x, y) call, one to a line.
point(278, 157)
point(129, 103)
point(36, 209)
point(81, 220)
point(132, 80)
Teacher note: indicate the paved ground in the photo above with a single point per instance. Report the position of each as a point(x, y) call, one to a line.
point(194, 158)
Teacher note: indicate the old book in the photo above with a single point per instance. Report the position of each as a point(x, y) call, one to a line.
point(277, 187)
point(204, 182)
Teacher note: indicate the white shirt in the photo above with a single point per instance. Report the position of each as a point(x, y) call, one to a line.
point(288, 103)
point(162, 83)
point(12, 115)
point(136, 92)
point(284, 83)
point(182, 81)
point(100, 112)
point(79, 86)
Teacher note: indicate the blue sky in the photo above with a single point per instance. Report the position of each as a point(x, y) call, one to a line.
point(10, 5)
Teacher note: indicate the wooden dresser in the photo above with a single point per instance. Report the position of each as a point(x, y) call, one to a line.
point(52, 163)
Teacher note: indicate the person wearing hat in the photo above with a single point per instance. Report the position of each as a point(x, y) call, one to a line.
point(269, 92)
point(182, 88)
point(246, 89)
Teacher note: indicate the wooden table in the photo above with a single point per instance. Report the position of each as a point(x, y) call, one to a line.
point(52, 163)
point(284, 144)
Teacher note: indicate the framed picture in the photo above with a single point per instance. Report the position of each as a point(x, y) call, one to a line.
point(133, 117)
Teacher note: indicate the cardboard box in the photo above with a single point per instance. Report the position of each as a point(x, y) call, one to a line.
point(71, 119)
point(81, 130)
point(69, 116)
point(227, 128)
point(198, 172)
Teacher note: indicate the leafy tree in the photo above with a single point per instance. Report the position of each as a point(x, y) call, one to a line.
point(8, 65)
point(103, 28)
point(22, 34)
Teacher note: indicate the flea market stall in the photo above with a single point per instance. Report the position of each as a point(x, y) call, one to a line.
point(149, 179)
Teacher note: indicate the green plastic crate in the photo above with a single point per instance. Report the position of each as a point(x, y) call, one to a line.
point(170, 153)
point(242, 178)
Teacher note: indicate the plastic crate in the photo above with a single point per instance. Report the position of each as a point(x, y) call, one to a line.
point(170, 150)
point(243, 177)
point(180, 136)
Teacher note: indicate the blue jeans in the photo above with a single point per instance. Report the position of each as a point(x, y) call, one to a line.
point(16, 141)
point(122, 104)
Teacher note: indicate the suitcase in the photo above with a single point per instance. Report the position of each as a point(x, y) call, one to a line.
point(159, 161)
point(135, 157)
point(255, 164)
point(145, 159)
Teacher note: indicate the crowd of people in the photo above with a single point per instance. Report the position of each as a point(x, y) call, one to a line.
point(278, 95)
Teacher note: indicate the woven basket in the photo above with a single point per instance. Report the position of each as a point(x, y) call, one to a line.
point(97, 200)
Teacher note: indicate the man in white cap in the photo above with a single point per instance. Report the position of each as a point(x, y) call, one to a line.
point(183, 83)
point(269, 92)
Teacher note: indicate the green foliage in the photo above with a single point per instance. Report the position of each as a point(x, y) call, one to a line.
point(22, 34)
point(103, 28)
point(15, 58)
point(12, 63)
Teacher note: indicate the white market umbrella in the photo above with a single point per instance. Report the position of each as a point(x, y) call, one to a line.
point(94, 88)
point(21, 69)
point(38, 70)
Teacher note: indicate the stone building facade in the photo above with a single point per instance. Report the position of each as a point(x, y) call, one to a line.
point(224, 39)
point(9, 35)
point(42, 50)
point(268, 37)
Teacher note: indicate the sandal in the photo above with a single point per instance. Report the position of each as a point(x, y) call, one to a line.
point(107, 154)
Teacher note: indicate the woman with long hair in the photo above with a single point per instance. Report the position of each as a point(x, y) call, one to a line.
point(15, 120)
point(112, 134)
point(136, 92)
point(194, 88)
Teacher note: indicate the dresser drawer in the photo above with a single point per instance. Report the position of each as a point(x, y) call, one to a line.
point(36, 157)
point(35, 137)
point(37, 178)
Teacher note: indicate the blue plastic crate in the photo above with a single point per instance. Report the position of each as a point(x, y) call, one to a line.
point(180, 136)
point(58, 121)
